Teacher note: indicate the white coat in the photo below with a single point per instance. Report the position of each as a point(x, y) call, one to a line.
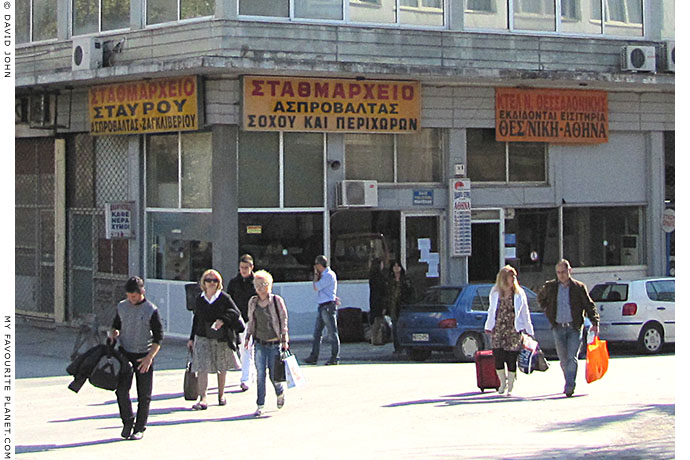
point(522, 318)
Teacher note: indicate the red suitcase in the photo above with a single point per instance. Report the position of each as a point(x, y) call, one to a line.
point(486, 370)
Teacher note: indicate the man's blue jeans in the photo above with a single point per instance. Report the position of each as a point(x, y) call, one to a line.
point(568, 341)
point(326, 317)
point(265, 357)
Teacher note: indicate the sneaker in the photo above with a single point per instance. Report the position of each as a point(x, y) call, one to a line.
point(310, 360)
point(259, 411)
point(137, 436)
point(281, 400)
point(332, 362)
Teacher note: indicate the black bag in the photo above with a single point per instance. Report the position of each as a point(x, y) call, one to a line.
point(106, 374)
point(191, 381)
point(279, 369)
point(216, 334)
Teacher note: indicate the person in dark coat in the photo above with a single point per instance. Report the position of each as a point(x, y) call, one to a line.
point(378, 290)
point(241, 289)
point(400, 292)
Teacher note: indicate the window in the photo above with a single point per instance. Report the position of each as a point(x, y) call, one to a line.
point(284, 243)
point(404, 158)
point(178, 202)
point(534, 15)
point(661, 291)
point(604, 236)
point(491, 161)
point(480, 302)
point(262, 181)
point(36, 20)
point(484, 14)
point(158, 11)
point(623, 17)
point(92, 16)
point(609, 292)
point(531, 239)
point(581, 16)
point(414, 12)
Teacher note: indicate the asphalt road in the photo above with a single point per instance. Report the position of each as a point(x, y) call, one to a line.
point(369, 407)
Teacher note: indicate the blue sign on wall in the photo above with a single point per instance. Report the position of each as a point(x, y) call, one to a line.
point(422, 197)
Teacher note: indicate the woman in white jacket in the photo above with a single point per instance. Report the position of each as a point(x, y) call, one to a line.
point(507, 317)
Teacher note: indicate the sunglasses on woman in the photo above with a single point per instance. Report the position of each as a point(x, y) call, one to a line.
point(210, 280)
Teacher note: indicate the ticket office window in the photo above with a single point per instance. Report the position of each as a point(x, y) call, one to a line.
point(604, 236)
point(489, 160)
point(178, 205)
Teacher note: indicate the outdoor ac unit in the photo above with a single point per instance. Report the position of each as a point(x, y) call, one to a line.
point(358, 193)
point(638, 58)
point(87, 54)
point(669, 63)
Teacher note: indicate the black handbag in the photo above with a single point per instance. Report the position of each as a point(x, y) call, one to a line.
point(279, 369)
point(106, 374)
point(191, 381)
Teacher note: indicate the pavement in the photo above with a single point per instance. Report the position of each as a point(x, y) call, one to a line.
point(372, 406)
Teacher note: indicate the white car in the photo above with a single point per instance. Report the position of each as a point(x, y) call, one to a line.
point(642, 311)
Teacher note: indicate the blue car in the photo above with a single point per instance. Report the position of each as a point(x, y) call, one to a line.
point(451, 318)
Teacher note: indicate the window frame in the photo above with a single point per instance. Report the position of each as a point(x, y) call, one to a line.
point(507, 181)
point(179, 13)
point(100, 22)
point(30, 32)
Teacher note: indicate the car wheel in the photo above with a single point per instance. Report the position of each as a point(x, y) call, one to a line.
point(416, 354)
point(651, 339)
point(468, 344)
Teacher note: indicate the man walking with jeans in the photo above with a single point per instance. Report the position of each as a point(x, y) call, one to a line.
point(565, 302)
point(325, 285)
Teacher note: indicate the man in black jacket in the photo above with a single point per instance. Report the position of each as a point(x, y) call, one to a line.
point(566, 301)
point(241, 289)
point(137, 326)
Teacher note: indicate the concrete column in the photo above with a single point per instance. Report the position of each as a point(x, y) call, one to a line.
point(137, 245)
point(224, 199)
point(456, 267)
point(60, 232)
point(656, 191)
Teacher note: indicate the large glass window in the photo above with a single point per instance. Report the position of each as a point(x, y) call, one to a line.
point(263, 183)
point(158, 11)
point(319, 9)
point(35, 20)
point(178, 200)
point(623, 17)
point(491, 161)
point(359, 236)
point(91, 16)
point(283, 243)
point(531, 240)
point(274, 8)
point(581, 16)
point(601, 236)
point(486, 14)
point(390, 158)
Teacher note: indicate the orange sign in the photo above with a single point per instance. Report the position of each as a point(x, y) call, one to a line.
point(331, 105)
point(153, 106)
point(558, 116)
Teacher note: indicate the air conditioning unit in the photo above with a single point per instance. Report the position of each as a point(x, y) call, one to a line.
point(669, 63)
point(87, 53)
point(358, 193)
point(638, 58)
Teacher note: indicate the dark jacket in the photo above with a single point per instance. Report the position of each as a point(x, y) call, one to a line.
point(84, 364)
point(378, 294)
point(206, 314)
point(241, 290)
point(580, 302)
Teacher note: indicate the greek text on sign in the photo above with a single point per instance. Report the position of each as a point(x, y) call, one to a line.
point(461, 225)
point(153, 106)
point(119, 220)
point(331, 105)
point(558, 116)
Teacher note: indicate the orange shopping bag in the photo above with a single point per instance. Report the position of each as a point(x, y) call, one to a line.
point(597, 360)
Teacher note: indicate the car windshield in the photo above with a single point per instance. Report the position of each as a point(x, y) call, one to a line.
point(440, 296)
point(609, 292)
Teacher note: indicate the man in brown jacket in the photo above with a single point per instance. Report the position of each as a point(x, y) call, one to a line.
point(565, 302)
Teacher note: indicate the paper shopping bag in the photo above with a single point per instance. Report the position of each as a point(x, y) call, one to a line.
point(294, 375)
point(597, 360)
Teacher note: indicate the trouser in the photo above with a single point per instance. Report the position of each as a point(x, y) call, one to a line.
point(568, 341)
point(247, 358)
point(502, 356)
point(327, 318)
point(265, 358)
point(144, 389)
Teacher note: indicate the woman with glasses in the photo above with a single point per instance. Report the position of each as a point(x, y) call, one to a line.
point(214, 314)
point(268, 326)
